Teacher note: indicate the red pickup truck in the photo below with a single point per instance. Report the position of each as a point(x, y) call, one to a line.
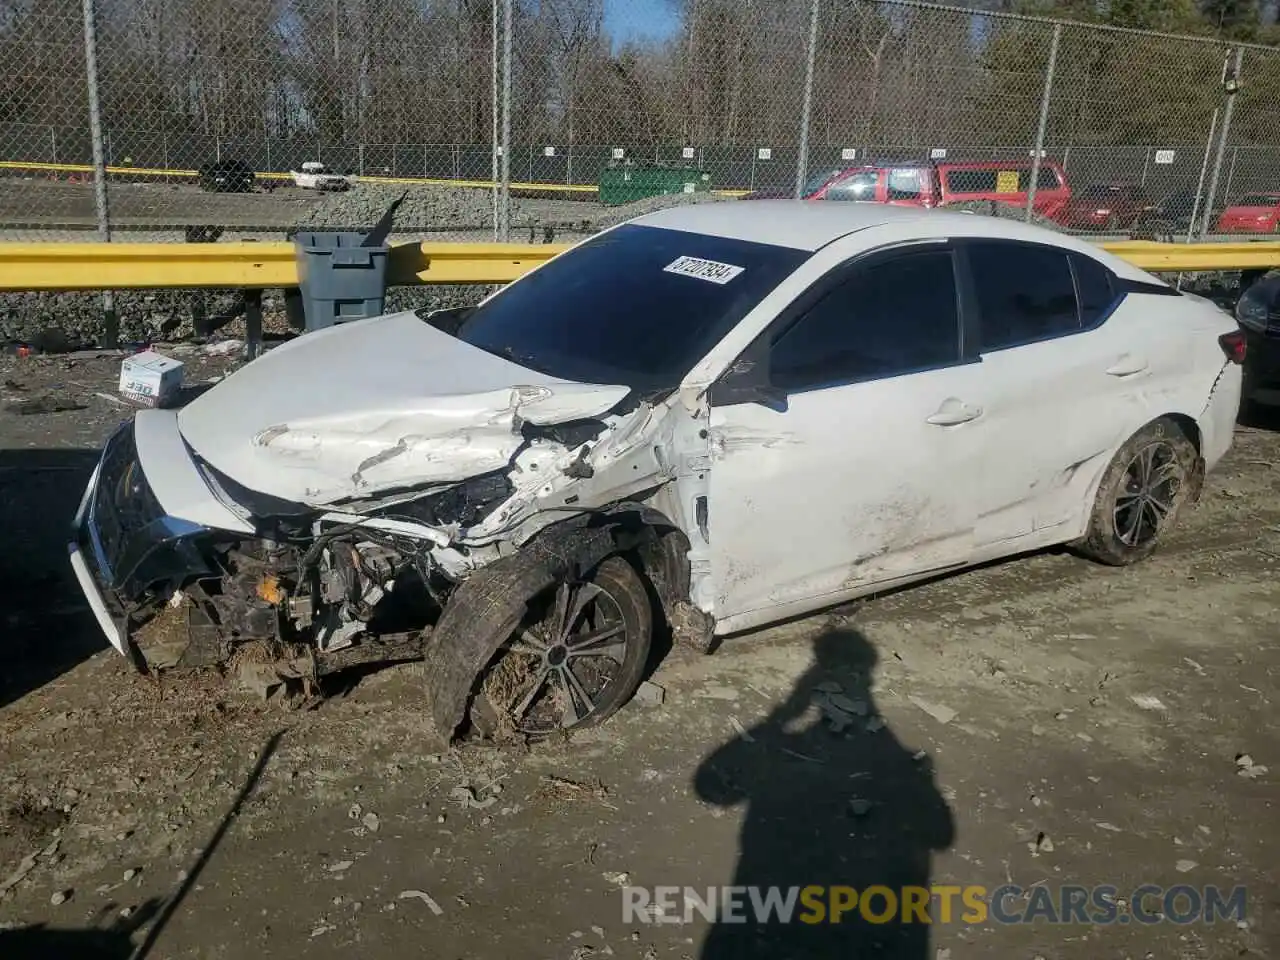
point(937, 184)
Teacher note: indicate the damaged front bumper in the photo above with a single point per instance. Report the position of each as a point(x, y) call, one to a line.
point(127, 553)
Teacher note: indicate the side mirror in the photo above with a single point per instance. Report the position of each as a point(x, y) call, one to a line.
point(747, 382)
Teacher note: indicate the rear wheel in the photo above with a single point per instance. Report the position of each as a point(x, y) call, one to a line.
point(1145, 487)
point(574, 661)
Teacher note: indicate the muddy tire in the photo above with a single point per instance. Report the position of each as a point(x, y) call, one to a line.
point(1146, 485)
point(573, 662)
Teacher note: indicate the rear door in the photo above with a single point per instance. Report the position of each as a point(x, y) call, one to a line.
point(1064, 380)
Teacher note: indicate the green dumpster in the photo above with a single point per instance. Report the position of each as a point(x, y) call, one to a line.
point(626, 182)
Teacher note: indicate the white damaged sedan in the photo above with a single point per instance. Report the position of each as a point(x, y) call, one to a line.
point(705, 419)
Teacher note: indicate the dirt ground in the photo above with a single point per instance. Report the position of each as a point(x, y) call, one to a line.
point(1041, 722)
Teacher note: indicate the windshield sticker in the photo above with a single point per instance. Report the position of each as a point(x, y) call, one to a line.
point(708, 270)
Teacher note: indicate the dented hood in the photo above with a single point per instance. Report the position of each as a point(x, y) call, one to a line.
point(375, 405)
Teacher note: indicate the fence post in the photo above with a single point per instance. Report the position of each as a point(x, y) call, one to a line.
point(506, 121)
point(493, 141)
point(53, 142)
point(802, 161)
point(1044, 118)
point(1204, 168)
point(111, 326)
point(1229, 83)
point(1231, 172)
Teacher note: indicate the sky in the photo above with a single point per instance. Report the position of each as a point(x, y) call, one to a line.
point(640, 19)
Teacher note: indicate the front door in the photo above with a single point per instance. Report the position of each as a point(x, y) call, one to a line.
point(864, 470)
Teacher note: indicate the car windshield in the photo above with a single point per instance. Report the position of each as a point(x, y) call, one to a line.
point(637, 306)
point(1258, 200)
point(817, 180)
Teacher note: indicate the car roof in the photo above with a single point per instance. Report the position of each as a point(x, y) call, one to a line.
point(812, 224)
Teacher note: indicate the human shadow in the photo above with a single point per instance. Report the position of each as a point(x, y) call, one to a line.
point(110, 940)
point(833, 799)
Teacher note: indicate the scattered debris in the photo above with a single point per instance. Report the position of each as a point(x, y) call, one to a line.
point(1247, 768)
point(340, 866)
point(321, 930)
point(858, 708)
point(1185, 866)
point(370, 821)
point(742, 731)
point(223, 348)
point(939, 712)
point(1103, 825)
point(801, 756)
point(618, 879)
point(859, 807)
point(150, 378)
point(942, 953)
point(26, 865)
point(466, 796)
point(1041, 844)
point(1193, 665)
point(60, 897)
point(650, 694)
point(424, 897)
point(130, 874)
point(562, 788)
point(1148, 702)
point(718, 691)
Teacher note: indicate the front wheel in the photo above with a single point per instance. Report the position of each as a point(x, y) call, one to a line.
point(574, 661)
point(1145, 487)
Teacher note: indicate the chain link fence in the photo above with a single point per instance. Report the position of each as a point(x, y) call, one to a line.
point(208, 108)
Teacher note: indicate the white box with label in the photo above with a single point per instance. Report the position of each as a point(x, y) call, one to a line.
point(150, 378)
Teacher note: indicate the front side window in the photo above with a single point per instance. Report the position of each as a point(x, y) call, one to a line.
point(1025, 293)
point(637, 306)
point(817, 181)
point(893, 317)
point(858, 186)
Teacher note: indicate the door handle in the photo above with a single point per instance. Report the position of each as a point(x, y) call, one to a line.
point(954, 412)
point(1127, 366)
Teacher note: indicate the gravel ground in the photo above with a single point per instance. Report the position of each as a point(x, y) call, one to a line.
point(1040, 722)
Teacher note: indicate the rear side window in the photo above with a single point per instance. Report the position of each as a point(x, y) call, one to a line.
point(1094, 288)
point(1025, 293)
point(896, 316)
point(971, 181)
point(1046, 179)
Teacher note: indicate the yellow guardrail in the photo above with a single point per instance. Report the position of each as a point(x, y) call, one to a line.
point(141, 266)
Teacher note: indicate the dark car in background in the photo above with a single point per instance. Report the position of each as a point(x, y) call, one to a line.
point(226, 176)
point(1105, 206)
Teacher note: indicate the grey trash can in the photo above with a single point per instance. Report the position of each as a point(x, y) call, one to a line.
point(342, 278)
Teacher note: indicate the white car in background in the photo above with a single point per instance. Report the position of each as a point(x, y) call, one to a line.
point(316, 176)
point(721, 414)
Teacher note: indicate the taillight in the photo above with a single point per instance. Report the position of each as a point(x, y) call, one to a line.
point(1233, 345)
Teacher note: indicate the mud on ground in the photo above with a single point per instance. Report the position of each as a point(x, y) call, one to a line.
point(1040, 722)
